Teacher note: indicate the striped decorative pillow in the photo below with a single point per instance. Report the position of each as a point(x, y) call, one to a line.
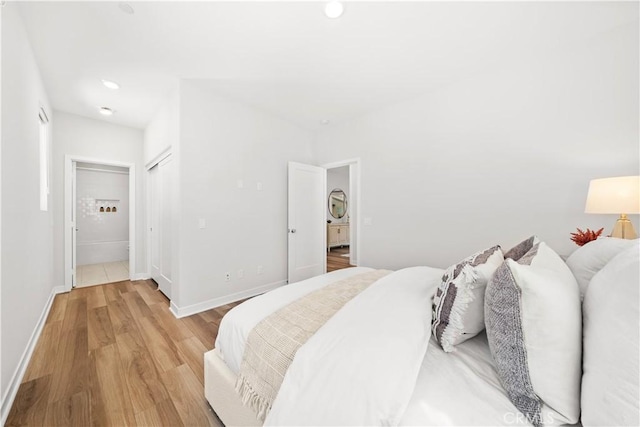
point(519, 250)
point(533, 318)
point(458, 304)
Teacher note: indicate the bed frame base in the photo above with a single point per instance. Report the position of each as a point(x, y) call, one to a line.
point(219, 390)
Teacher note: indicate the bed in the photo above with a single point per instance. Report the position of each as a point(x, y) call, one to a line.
point(376, 361)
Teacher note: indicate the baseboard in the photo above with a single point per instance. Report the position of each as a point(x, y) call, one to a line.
point(217, 302)
point(140, 276)
point(16, 379)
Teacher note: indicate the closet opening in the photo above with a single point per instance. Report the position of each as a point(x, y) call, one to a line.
point(160, 204)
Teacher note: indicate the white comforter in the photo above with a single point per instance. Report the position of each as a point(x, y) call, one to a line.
point(361, 367)
point(460, 388)
point(237, 323)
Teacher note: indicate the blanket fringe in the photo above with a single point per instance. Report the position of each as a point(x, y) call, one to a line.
point(259, 404)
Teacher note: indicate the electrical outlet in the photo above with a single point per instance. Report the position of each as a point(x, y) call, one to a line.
point(240, 274)
point(259, 269)
point(227, 276)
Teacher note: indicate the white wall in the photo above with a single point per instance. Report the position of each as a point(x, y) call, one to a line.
point(103, 236)
point(223, 142)
point(495, 158)
point(100, 141)
point(338, 178)
point(163, 132)
point(27, 249)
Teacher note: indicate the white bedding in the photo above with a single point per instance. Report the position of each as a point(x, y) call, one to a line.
point(361, 366)
point(238, 322)
point(460, 388)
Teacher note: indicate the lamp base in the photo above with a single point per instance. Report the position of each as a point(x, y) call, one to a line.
point(624, 229)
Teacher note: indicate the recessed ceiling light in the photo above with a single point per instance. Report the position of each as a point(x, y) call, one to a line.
point(110, 85)
point(333, 9)
point(126, 8)
point(106, 111)
point(325, 122)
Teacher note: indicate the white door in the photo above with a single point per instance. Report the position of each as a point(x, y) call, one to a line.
point(307, 228)
point(74, 226)
point(160, 203)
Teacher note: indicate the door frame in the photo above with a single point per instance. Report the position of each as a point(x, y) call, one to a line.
point(355, 167)
point(68, 201)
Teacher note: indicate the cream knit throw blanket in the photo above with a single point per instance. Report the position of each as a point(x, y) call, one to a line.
point(273, 343)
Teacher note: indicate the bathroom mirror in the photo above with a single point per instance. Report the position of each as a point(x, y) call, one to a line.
point(337, 203)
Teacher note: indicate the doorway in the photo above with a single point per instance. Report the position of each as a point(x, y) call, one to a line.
point(307, 228)
point(338, 218)
point(102, 225)
point(342, 211)
point(99, 221)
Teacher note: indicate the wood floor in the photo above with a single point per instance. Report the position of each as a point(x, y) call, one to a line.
point(335, 260)
point(114, 355)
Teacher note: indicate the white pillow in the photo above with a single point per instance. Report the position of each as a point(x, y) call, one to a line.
point(458, 304)
point(587, 260)
point(611, 326)
point(533, 319)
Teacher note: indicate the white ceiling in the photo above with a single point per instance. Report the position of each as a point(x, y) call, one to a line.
point(287, 57)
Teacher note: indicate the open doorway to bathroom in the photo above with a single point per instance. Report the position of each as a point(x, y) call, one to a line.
point(102, 225)
point(341, 213)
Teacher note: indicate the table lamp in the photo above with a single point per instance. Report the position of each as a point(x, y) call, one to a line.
point(619, 195)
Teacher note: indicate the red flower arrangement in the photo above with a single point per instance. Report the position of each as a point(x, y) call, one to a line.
point(583, 237)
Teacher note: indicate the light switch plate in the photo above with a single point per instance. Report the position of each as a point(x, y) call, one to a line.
point(202, 223)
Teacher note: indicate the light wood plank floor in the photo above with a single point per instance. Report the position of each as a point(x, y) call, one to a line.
point(335, 260)
point(114, 355)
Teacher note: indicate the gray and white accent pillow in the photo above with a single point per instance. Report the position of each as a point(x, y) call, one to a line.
point(458, 304)
point(534, 320)
point(519, 250)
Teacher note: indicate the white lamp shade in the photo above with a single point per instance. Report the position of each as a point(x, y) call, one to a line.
point(619, 195)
